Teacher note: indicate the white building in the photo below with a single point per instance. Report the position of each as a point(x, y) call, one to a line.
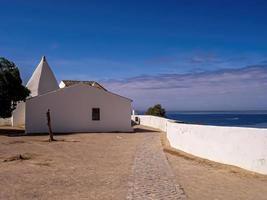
point(75, 106)
point(41, 82)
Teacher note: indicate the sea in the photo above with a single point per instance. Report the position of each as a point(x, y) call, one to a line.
point(255, 119)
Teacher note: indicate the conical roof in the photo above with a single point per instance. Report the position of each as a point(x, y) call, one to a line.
point(42, 80)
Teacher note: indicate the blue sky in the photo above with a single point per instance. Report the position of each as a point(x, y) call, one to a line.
point(169, 42)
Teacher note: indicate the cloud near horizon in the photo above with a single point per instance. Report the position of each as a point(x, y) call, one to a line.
point(201, 81)
point(227, 89)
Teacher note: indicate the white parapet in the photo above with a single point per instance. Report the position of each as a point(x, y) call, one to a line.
point(18, 115)
point(5, 122)
point(242, 147)
point(152, 121)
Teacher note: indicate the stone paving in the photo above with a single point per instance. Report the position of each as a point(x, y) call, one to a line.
point(152, 176)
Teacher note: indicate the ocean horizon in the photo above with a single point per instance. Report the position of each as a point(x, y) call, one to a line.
point(253, 119)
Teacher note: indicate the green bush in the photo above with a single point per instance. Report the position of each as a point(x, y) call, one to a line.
point(157, 110)
point(11, 89)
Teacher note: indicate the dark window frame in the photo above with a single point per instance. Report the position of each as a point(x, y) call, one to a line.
point(95, 114)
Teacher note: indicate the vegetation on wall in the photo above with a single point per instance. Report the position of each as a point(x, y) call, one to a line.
point(11, 89)
point(157, 110)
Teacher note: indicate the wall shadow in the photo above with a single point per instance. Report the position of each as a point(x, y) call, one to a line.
point(17, 132)
point(12, 132)
point(144, 130)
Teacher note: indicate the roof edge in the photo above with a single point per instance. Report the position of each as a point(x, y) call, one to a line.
point(79, 84)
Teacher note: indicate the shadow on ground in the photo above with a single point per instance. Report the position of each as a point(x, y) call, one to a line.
point(143, 130)
point(17, 132)
point(12, 132)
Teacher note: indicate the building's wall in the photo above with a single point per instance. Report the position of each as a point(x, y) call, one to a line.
point(71, 109)
point(242, 147)
point(18, 115)
point(5, 122)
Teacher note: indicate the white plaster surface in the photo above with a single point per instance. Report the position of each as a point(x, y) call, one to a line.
point(18, 115)
point(42, 80)
point(242, 147)
point(71, 109)
point(5, 122)
point(153, 121)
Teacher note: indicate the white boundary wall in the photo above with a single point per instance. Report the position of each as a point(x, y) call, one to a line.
point(152, 121)
point(5, 122)
point(242, 147)
point(18, 115)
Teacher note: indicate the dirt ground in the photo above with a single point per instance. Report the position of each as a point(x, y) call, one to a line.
point(206, 180)
point(84, 166)
point(98, 166)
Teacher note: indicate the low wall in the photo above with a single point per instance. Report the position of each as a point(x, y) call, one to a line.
point(242, 147)
point(5, 122)
point(153, 121)
point(18, 115)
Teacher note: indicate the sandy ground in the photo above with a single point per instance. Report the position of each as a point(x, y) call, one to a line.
point(84, 166)
point(206, 180)
point(98, 166)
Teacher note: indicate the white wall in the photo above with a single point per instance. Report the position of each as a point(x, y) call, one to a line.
point(242, 147)
point(71, 111)
point(18, 115)
point(155, 122)
point(5, 122)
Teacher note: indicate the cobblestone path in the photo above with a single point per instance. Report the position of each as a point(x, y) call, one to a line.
point(152, 176)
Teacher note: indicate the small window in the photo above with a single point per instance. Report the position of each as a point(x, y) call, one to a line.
point(96, 114)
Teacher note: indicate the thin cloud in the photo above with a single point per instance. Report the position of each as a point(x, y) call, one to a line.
point(202, 61)
point(222, 89)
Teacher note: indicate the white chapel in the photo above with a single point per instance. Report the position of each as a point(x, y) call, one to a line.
point(75, 106)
